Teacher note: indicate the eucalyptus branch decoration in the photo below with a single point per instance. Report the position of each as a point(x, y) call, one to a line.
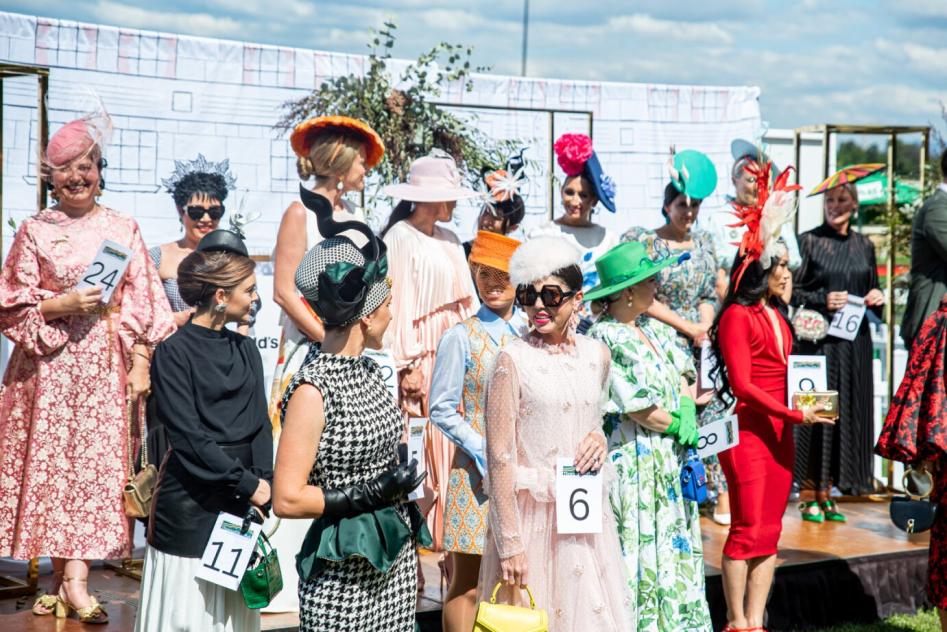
point(406, 117)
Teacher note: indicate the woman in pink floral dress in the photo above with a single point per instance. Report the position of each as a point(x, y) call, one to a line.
point(75, 364)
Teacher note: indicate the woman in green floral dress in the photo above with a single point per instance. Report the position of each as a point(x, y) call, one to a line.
point(651, 420)
point(686, 297)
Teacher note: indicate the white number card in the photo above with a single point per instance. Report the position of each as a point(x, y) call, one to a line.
point(228, 551)
point(386, 362)
point(847, 320)
point(806, 373)
point(578, 499)
point(416, 427)
point(107, 269)
point(718, 436)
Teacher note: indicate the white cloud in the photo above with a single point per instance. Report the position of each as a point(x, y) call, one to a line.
point(196, 23)
point(643, 24)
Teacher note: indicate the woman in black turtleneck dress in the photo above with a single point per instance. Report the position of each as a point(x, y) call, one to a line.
point(835, 261)
point(207, 392)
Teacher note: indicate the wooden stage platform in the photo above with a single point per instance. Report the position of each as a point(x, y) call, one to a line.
point(827, 574)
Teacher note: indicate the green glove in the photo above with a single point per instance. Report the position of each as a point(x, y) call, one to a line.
point(684, 423)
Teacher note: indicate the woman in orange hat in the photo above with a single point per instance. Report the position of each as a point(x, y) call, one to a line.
point(336, 152)
point(464, 362)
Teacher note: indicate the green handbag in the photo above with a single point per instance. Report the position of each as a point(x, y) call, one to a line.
point(263, 580)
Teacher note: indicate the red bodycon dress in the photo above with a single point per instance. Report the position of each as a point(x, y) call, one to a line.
point(759, 468)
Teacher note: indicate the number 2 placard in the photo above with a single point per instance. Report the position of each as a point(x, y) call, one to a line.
point(578, 499)
point(107, 269)
point(228, 551)
point(846, 321)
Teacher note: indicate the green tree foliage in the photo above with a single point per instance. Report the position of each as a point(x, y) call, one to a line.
point(403, 110)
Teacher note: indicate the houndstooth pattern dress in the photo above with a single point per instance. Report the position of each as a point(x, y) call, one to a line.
point(362, 430)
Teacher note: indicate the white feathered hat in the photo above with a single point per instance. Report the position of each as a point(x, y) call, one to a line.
point(541, 256)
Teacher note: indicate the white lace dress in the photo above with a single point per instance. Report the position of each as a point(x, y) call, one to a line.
point(541, 402)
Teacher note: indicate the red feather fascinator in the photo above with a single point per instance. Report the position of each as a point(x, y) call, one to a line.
point(765, 219)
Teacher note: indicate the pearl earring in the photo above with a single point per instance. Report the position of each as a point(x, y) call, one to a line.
point(339, 186)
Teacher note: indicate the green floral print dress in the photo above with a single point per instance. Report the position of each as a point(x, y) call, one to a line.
point(658, 530)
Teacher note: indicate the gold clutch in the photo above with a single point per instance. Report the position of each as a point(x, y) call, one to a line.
point(498, 617)
point(827, 400)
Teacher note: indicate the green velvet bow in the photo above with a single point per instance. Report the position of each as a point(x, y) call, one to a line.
point(378, 536)
point(371, 272)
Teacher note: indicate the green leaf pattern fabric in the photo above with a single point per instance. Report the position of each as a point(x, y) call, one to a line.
point(658, 530)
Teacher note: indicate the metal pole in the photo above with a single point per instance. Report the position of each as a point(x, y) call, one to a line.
point(889, 284)
point(552, 166)
point(797, 156)
point(525, 36)
point(41, 138)
point(2, 220)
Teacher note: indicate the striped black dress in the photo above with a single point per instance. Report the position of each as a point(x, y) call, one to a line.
point(839, 455)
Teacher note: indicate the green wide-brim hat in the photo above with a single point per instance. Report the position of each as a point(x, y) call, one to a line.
point(625, 265)
point(698, 176)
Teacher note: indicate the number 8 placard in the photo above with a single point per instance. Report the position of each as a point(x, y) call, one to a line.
point(578, 499)
point(107, 269)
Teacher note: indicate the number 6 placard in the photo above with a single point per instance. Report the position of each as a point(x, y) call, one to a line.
point(578, 499)
point(228, 551)
point(107, 269)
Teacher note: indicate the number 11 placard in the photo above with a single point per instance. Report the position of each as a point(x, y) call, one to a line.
point(107, 269)
point(228, 551)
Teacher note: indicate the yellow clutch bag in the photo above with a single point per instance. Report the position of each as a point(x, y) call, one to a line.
point(499, 617)
point(828, 400)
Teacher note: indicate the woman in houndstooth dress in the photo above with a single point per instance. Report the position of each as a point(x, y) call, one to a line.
point(338, 453)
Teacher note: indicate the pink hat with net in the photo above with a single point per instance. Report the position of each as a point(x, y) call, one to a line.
point(76, 138)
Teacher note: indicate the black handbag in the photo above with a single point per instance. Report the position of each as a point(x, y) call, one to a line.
point(914, 513)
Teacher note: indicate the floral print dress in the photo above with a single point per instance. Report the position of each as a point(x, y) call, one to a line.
point(658, 529)
point(684, 288)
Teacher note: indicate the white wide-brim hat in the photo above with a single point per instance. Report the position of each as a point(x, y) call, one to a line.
point(432, 178)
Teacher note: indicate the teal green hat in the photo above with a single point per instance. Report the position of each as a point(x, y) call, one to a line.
point(626, 264)
point(696, 175)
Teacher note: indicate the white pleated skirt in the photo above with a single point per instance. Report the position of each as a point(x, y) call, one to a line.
point(173, 600)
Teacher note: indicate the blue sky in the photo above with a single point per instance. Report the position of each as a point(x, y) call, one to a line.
point(870, 61)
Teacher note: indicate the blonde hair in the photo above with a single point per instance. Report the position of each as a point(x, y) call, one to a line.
point(333, 152)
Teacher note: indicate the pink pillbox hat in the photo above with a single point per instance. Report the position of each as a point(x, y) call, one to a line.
point(70, 141)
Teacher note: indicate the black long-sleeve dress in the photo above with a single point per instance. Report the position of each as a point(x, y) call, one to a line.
point(208, 393)
point(839, 455)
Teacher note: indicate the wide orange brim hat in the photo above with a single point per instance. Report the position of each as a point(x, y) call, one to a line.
point(306, 132)
point(493, 250)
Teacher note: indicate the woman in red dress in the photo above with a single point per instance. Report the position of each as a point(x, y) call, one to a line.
point(752, 338)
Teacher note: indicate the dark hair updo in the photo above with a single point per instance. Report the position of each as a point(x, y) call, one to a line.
point(200, 184)
point(200, 274)
point(572, 275)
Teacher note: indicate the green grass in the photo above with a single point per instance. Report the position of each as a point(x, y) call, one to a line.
point(924, 621)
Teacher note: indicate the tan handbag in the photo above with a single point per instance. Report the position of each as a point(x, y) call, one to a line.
point(498, 617)
point(140, 487)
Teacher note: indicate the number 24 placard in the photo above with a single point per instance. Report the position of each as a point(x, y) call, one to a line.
point(107, 269)
point(578, 499)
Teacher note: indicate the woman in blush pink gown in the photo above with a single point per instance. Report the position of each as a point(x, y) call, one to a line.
point(545, 401)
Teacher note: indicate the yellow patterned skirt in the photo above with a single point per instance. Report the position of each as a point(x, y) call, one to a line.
point(465, 512)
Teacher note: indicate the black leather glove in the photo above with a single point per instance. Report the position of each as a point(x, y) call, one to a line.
point(395, 483)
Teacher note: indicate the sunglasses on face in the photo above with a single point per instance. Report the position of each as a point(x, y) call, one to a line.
point(551, 295)
point(196, 212)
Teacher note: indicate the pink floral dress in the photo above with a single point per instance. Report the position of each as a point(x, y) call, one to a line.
point(63, 432)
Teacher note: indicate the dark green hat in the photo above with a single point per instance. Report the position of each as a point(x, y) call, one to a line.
point(626, 264)
point(696, 174)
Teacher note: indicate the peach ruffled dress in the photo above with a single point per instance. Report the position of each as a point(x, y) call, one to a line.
point(432, 291)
